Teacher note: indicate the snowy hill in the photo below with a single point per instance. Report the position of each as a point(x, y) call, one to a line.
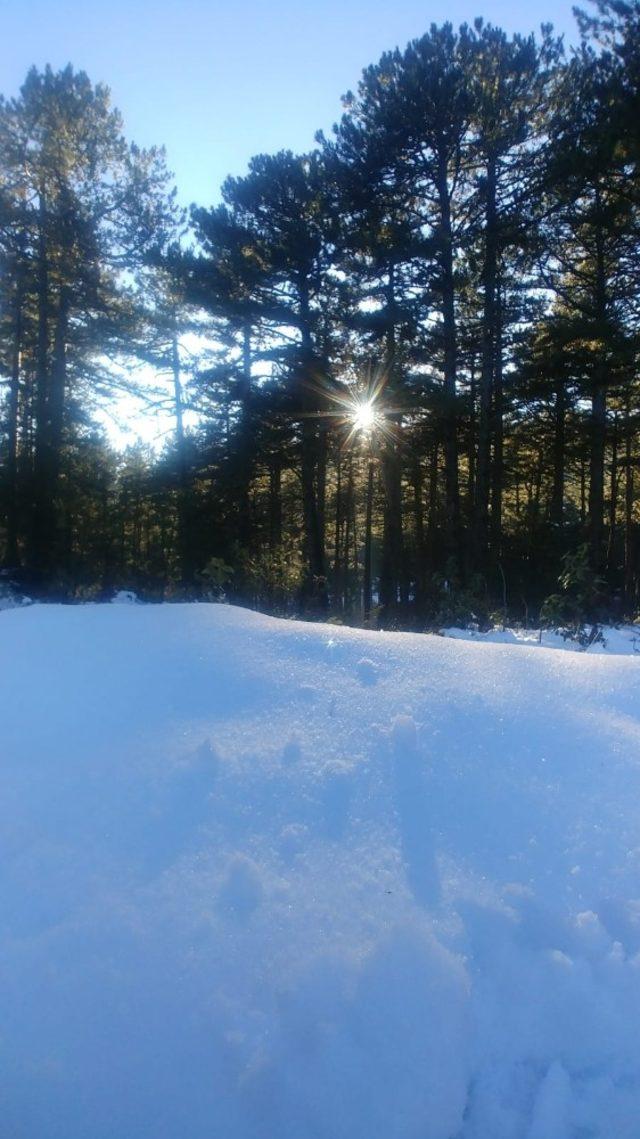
point(263, 880)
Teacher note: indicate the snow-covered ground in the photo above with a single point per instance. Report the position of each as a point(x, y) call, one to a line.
point(267, 880)
point(622, 639)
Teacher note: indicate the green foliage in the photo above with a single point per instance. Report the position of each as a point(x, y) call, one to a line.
point(450, 603)
point(580, 595)
point(215, 575)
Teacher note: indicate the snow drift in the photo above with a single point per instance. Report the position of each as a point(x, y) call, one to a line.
point(265, 879)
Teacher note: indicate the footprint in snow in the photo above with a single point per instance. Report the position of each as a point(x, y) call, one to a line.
point(367, 671)
point(242, 890)
point(336, 796)
point(207, 759)
point(292, 750)
point(415, 815)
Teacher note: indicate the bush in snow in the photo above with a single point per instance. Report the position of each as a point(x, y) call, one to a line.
point(215, 575)
point(10, 595)
point(580, 595)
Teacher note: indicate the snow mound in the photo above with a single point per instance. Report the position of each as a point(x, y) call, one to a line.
point(268, 879)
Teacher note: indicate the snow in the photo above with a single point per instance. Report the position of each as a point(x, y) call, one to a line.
point(266, 879)
point(623, 639)
point(124, 597)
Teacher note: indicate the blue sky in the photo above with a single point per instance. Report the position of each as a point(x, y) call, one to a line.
point(218, 82)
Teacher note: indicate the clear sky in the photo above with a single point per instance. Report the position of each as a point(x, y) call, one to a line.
point(218, 82)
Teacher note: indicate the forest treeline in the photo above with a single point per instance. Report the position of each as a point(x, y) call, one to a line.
point(418, 400)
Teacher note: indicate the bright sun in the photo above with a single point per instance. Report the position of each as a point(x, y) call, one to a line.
point(364, 416)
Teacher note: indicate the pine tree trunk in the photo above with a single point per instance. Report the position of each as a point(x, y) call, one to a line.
point(61, 533)
point(556, 512)
point(596, 472)
point(629, 551)
point(11, 550)
point(613, 498)
point(40, 500)
point(183, 521)
point(275, 504)
point(452, 520)
point(48, 537)
point(314, 596)
point(391, 561)
point(598, 404)
point(338, 591)
point(432, 525)
point(489, 275)
point(418, 524)
point(367, 579)
point(391, 566)
point(497, 431)
point(471, 462)
point(321, 492)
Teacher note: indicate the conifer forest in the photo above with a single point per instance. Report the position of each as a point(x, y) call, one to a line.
point(402, 371)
